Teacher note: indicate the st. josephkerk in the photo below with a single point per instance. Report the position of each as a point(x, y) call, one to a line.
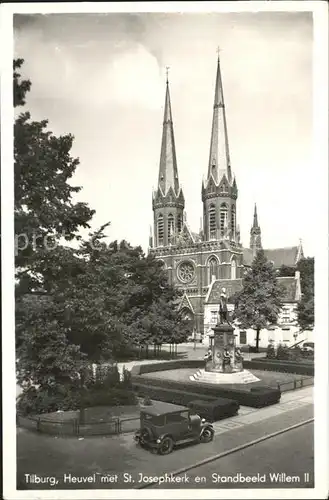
point(214, 257)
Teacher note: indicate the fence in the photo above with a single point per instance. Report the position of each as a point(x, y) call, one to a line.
point(73, 427)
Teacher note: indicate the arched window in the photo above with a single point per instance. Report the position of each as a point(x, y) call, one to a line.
point(179, 223)
point(212, 268)
point(212, 222)
point(223, 218)
point(233, 269)
point(160, 229)
point(171, 228)
point(233, 219)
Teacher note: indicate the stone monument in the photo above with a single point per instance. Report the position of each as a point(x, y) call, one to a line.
point(225, 365)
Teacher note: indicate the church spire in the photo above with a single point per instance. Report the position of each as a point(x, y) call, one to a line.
point(255, 224)
point(168, 172)
point(168, 200)
point(219, 157)
point(255, 234)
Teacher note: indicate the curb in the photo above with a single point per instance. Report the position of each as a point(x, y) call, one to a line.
point(229, 452)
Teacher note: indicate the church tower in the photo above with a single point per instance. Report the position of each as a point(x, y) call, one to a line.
point(255, 235)
point(168, 200)
point(219, 190)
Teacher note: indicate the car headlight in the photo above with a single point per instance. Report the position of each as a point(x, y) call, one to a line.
point(158, 441)
point(203, 420)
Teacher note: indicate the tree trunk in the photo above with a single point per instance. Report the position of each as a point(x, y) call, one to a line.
point(82, 416)
point(257, 339)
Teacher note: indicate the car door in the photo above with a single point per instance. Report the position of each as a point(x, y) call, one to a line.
point(178, 425)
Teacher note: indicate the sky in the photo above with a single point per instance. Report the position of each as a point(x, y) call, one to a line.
point(102, 77)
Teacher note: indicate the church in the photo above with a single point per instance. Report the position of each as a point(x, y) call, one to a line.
point(195, 261)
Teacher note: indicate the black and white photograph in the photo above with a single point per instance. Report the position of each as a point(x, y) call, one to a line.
point(164, 249)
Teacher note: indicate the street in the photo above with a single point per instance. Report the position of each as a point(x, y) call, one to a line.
point(279, 462)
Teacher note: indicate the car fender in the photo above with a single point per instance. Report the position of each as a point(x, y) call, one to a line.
point(162, 436)
point(205, 426)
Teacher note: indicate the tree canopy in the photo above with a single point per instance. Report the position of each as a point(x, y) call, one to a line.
point(258, 304)
point(306, 306)
point(45, 212)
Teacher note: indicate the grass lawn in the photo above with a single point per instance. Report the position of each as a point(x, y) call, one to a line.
point(266, 377)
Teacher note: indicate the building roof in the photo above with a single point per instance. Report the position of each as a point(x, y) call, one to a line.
point(215, 289)
point(287, 256)
point(160, 407)
point(291, 291)
point(196, 236)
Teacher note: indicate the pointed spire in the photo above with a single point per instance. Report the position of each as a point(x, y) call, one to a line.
point(255, 224)
point(219, 157)
point(168, 173)
point(255, 234)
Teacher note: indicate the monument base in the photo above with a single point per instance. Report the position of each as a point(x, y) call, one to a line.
point(242, 377)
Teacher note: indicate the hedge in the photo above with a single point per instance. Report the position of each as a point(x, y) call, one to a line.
point(283, 366)
point(167, 365)
point(214, 410)
point(264, 396)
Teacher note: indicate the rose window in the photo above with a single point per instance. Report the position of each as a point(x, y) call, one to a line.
point(186, 272)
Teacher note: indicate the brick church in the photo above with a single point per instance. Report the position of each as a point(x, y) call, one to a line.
point(195, 260)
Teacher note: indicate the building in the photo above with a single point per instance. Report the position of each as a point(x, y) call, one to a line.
point(285, 331)
point(215, 253)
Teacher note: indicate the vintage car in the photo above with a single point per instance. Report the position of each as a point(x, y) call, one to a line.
point(165, 425)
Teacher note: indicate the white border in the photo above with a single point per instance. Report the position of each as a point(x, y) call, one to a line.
point(320, 89)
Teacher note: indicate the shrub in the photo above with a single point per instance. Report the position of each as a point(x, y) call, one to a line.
point(107, 397)
point(104, 388)
point(214, 410)
point(147, 401)
point(270, 353)
point(282, 352)
point(41, 400)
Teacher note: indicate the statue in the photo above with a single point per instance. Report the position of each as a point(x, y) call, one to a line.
point(239, 358)
point(223, 311)
point(226, 360)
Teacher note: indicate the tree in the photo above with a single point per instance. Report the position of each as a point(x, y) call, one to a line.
point(258, 304)
point(305, 309)
point(285, 271)
point(44, 209)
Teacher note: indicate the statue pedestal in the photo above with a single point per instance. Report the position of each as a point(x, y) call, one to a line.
point(207, 377)
point(224, 356)
point(226, 365)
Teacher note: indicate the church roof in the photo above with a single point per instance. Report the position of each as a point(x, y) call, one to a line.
point(287, 256)
point(215, 289)
point(196, 236)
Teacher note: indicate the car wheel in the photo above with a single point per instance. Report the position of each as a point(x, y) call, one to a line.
point(207, 435)
point(166, 446)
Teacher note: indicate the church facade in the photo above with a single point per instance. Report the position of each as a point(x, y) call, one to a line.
point(195, 260)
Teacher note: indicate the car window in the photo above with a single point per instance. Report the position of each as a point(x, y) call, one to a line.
point(172, 418)
point(154, 420)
